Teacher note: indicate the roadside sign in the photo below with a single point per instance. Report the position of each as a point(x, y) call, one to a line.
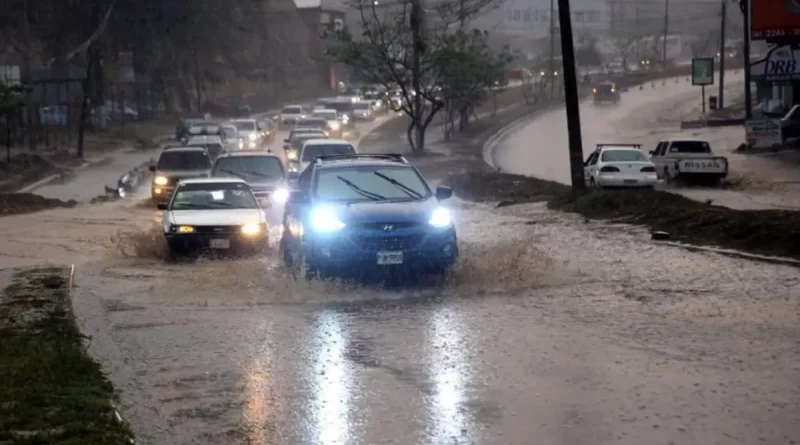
point(765, 133)
point(782, 63)
point(774, 19)
point(703, 71)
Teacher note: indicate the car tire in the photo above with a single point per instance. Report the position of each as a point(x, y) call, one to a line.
point(667, 179)
point(593, 184)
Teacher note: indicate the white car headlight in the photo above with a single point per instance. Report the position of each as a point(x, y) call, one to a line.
point(334, 125)
point(160, 180)
point(280, 196)
point(252, 136)
point(324, 219)
point(441, 218)
point(252, 229)
point(291, 154)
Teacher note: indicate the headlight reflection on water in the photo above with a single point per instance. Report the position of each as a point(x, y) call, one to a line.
point(332, 382)
point(448, 370)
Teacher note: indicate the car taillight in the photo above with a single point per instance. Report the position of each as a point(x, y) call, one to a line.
point(609, 169)
point(648, 169)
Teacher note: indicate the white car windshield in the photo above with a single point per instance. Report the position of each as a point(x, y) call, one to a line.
point(315, 123)
point(249, 168)
point(229, 132)
point(622, 156)
point(183, 160)
point(297, 142)
point(292, 110)
point(312, 151)
point(217, 196)
point(245, 125)
point(371, 184)
point(361, 106)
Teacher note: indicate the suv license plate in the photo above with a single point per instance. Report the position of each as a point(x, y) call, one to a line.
point(630, 181)
point(220, 244)
point(387, 258)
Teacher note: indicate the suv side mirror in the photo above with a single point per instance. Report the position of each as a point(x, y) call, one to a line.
point(162, 206)
point(152, 168)
point(652, 152)
point(443, 192)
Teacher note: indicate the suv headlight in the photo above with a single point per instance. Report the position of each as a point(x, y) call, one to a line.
point(441, 218)
point(280, 196)
point(325, 220)
point(252, 136)
point(334, 126)
point(160, 180)
point(291, 154)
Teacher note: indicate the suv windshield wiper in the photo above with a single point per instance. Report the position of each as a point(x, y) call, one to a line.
point(260, 175)
point(408, 190)
point(231, 173)
point(360, 191)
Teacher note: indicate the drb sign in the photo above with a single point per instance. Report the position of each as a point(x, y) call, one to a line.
point(781, 63)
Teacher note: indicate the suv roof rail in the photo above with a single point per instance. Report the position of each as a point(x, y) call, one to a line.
point(395, 157)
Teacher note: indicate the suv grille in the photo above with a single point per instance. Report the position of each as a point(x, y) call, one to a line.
point(397, 225)
point(378, 243)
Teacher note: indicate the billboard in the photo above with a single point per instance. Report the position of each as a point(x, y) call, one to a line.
point(774, 19)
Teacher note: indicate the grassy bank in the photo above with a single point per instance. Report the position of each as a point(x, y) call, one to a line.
point(52, 392)
point(766, 232)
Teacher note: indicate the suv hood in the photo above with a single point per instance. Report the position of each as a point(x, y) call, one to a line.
point(222, 217)
point(387, 211)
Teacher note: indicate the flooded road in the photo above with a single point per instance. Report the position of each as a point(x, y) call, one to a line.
point(538, 147)
point(550, 327)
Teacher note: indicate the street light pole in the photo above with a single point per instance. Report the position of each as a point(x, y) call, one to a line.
point(666, 30)
point(721, 100)
point(571, 96)
point(551, 74)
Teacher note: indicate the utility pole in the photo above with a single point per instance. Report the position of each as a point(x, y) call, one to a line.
point(551, 74)
point(26, 72)
point(666, 31)
point(571, 96)
point(721, 99)
point(748, 101)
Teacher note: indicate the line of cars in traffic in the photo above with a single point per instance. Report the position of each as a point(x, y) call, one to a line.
point(339, 211)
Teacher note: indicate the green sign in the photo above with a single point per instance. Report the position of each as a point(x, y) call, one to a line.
point(703, 71)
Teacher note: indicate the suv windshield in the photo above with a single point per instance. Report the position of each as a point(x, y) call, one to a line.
point(689, 147)
point(341, 107)
point(361, 106)
point(249, 168)
point(297, 142)
point(371, 184)
point(229, 132)
point(244, 125)
point(292, 110)
point(183, 160)
point(234, 195)
point(622, 156)
point(312, 151)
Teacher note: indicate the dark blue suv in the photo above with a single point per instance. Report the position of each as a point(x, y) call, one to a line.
point(366, 213)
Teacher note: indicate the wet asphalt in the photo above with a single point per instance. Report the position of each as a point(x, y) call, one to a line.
point(551, 330)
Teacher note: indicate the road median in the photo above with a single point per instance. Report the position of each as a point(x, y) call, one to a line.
point(52, 391)
point(762, 232)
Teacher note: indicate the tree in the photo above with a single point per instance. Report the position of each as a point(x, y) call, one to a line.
point(414, 48)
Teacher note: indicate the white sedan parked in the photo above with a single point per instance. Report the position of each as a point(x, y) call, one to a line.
point(612, 166)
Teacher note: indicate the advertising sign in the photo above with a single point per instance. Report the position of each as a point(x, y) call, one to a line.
point(774, 19)
point(780, 64)
point(763, 133)
point(703, 71)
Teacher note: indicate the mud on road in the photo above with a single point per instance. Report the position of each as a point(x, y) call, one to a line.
point(589, 329)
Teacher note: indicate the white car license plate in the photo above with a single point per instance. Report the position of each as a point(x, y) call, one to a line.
point(387, 258)
point(630, 181)
point(220, 244)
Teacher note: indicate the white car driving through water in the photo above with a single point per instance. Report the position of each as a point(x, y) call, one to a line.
point(688, 159)
point(217, 214)
point(619, 166)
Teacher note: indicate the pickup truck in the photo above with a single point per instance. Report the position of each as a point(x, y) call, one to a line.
point(689, 160)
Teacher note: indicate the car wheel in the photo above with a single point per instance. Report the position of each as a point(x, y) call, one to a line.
point(593, 183)
point(667, 178)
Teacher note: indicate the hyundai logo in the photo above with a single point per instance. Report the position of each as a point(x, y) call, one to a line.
point(388, 227)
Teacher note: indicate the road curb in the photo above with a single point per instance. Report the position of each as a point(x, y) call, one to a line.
point(733, 253)
point(48, 179)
